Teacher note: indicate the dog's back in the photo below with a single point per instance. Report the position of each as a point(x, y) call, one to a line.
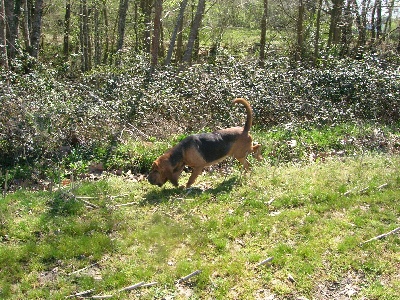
point(205, 149)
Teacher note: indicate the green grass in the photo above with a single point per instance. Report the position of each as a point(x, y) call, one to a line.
point(296, 213)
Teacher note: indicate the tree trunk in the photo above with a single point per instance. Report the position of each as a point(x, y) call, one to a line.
point(12, 13)
point(179, 44)
point(25, 26)
point(123, 8)
point(97, 35)
point(155, 41)
point(388, 23)
point(361, 21)
point(378, 19)
point(106, 33)
point(3, 39)
point(36, 28)
point(178, 25)
point(85, 37)
point(300, 32)
point(194, 31)
point(334, 29)
point(373, 25)
point(263, 37)
point(146, 7)
point(346, 29)
point(317, 33)
point(398, 44)
point(67, 26)
point(136, 27)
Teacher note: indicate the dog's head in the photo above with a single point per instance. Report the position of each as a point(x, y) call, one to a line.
point(157, 174)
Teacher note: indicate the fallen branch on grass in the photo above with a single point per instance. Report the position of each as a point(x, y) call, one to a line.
point(81, 294)
point(188, 276)
point(117, 196)
point(124, 204)
point(102, 297)
point(381, 236)
point(365, 189)
point(132, 287)
point(149, 284)
point(265, 261)
point(83, 199)
point(87, 267)
point(382, 186)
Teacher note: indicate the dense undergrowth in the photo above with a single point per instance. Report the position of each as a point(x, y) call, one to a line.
point(51, 120)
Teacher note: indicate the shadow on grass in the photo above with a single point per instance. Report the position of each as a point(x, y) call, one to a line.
point(157, 195)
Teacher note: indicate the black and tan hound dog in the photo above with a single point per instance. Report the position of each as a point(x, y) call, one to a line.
point(205, 149)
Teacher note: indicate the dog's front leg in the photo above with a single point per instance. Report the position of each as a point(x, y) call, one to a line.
point(196, 172)
point(175, 176)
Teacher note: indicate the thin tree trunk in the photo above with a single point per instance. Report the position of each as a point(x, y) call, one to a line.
point(300, 32)
point(123, 8)
point(361, 21)
point(178, 25)
point(317, 33)
point(346, 29)
point(146, 10)
point(106, 33)
point(12, 12)
point(84, 37)
point(388, 23)
point(155, 41)
point(373, 25)
point(97, 36)
point(263, 37)
point(36, 28)
point(25, 26)
point(378, 19)
point(194, 31)
point(334, 29)
point(135, 27)
point(3, 39)
point(179, 44)
point(398, 44)
point(67, 26)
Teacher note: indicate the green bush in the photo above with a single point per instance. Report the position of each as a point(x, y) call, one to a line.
point(47, 118)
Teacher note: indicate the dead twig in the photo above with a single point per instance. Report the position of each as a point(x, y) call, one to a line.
point(117, 196)
point(381, 236)
point(382, 186)
point(81, 294)
point(132, 287)
point(265, 261)
point(83, 199)
point(87, 267)
point(188, 276)
point(149, 284)
point(102, 297)
point(124, 204)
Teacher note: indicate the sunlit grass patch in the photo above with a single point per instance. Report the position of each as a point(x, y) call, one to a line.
point(310, 218)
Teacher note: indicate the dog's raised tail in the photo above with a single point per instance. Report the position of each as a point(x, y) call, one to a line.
point(249, 119)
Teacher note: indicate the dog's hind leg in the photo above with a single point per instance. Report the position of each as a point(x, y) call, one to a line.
point(256, 149)
point(245, 163)
point(195, 172)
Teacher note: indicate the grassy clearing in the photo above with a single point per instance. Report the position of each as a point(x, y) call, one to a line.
point(311, 218)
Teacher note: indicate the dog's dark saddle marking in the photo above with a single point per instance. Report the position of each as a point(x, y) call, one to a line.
point(212, 146)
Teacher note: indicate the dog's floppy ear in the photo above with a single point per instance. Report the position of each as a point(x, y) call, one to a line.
point(159, 165)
